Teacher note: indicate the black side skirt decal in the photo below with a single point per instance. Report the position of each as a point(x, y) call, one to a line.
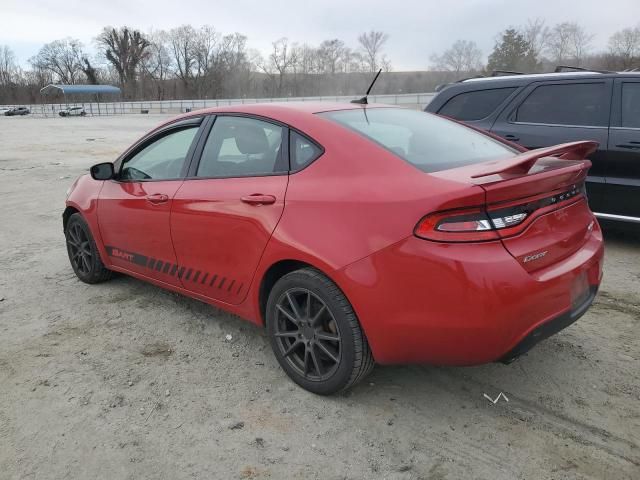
point(174, 270)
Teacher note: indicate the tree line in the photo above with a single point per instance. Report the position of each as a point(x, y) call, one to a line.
point(197, 63)
point(536, 47)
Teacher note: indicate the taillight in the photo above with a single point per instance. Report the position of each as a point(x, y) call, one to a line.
point(499, 221)
point(472, 225)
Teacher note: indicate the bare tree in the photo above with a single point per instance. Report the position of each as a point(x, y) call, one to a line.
point(237, 65)
point(207, 58)
point(568, 41)
point(536, 34)
point(372, 43)
point(332, 55)
point(183, 45)
point(63, 59)
point(125, 49)
point(90, 72)
point(462, 56)
point(306, 66)
point(281, 59)
point(8, 66)
point(157, 64)
point(9, 74)
point(624, 45)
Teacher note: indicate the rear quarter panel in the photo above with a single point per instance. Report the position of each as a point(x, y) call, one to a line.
point(354, 200)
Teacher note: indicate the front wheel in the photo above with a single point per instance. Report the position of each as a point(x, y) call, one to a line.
point(315, 334)
point(83, 252)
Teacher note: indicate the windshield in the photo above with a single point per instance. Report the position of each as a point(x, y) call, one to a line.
point(429, 142)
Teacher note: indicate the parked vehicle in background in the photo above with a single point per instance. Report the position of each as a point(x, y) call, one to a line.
point(17, 111)
point(73, 112)
point(355, 233)
point(539, 110)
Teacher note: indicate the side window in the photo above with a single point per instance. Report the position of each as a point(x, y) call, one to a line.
point(302, 151)
point(161, 159)
point(475, 105)
point(631, 105)
point(582, 104)
point(242, 147)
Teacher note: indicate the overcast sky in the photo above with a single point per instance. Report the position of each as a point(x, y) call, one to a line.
point(416, 28)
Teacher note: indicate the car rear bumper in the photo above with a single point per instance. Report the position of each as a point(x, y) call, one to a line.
point(466, 304)
point(550, 328)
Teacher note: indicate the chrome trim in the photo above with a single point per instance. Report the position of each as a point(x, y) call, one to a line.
point(595, 179)
point(620, 218)
point(624, 128)
point(590, 127)
point(628, 182)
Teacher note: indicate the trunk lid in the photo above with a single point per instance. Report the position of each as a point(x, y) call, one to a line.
point(536, 201)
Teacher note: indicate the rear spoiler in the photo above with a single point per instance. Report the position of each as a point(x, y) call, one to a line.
point(522, 163)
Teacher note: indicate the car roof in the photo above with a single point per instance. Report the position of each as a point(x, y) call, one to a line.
point(524, 79)
point(290, 113)
point(298, 106)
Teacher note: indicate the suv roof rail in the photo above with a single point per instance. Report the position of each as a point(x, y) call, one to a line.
point(501, 73)
point(562, 68)
point(469, 78)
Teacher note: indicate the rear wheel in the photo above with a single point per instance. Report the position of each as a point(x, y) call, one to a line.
point(315, 334)
point(83, 252)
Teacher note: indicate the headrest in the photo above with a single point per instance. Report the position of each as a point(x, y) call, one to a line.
point(250, 139)
point(419, 144)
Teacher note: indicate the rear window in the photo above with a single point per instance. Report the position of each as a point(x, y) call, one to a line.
point(429, 142)
point(569, 104)
point(631, 105)
point(475, 105)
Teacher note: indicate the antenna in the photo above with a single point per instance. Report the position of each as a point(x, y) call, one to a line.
point(363, 100)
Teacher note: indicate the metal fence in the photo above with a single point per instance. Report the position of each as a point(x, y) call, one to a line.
point(415, 100)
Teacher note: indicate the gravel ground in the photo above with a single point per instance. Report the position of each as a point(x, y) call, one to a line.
point(125, 380)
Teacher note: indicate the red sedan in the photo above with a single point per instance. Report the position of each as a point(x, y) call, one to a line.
point(355, 233)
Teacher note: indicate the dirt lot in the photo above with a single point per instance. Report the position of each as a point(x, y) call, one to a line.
point(125, 380)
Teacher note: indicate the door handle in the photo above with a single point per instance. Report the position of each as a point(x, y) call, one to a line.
point(630, 146)
point(512, 138)
point(157, 198)
point(259, 199)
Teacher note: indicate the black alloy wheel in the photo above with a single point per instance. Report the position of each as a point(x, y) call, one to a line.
point(315, 334)
point(307, 334)
point(83, 252)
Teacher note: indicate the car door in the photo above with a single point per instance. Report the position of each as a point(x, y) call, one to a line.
point(552, 112)
point(134, 208)
point(225, 212)
point(623, 158)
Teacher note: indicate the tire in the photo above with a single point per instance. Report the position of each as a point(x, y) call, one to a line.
point(320, 312)
point(83, 252)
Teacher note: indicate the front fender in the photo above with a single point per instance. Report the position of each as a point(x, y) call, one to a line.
point(83, 197)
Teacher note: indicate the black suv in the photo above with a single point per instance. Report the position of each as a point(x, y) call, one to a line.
point(538, 110)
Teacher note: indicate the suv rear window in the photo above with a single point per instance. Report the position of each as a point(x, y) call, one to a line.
point(475, 105)
point(631, 105)
point(429, 142)
point(568, 104)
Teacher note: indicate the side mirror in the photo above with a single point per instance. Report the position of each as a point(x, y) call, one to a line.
point(102, 171)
